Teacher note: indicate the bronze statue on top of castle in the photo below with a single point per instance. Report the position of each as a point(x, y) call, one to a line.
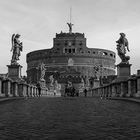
point(16, 49)
point(122, 45)
point(70, 27)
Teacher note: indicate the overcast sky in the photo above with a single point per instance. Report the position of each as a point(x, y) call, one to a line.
point(39, 20)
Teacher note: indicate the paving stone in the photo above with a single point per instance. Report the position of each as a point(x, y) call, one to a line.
point(69, 118)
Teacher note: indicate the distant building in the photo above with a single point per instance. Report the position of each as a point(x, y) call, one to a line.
point(70, 60)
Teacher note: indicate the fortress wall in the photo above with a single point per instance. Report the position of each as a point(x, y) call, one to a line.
point(70, 54)
point(83, 64)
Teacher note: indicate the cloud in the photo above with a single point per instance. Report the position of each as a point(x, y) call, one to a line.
point(38, 20)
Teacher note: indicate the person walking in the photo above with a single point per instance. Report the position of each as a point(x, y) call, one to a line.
point(39, 89)
point(85, 91)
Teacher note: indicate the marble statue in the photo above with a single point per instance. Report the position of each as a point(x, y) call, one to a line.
point(43, 70)
point(122, 47)
point(16, 48)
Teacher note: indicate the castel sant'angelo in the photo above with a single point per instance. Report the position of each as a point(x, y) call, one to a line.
point(70, 60)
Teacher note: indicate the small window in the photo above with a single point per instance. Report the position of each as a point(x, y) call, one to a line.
point(89, 52)
point(69, 50)
point(94, 52)
point(73, 50)
point(111, 55)
point(66, 51)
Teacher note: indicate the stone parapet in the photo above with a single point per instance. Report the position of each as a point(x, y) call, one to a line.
point(120, 88)
point(7, 87)
point(10, 88)
point(14, 87)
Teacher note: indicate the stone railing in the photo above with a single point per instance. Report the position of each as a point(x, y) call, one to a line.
point(127, 88)
point(10, 88)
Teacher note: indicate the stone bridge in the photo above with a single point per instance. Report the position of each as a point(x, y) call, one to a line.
point(12, 88)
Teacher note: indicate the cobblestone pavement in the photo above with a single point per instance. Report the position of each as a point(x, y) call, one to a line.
point(69, 118)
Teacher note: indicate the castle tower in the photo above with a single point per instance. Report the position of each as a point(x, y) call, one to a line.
point(70, 60)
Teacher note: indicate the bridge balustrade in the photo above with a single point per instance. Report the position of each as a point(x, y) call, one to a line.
point(10, 88)
point(14, 88)
point(127, 88)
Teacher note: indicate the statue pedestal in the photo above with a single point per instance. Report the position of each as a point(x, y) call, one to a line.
point(123, 71)
point(14, 71)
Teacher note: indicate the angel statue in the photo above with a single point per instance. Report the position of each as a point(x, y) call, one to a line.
point(16, 48)
point(51, 78)
point(122, 45)
point(43, 69)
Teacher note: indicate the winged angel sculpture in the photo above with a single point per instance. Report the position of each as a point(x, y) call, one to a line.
point(16, 48)
point(122, 47)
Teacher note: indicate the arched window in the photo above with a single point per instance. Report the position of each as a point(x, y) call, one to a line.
point(69, 50)
point(89, 52)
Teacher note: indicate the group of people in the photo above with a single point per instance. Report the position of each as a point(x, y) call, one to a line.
point(71, 91)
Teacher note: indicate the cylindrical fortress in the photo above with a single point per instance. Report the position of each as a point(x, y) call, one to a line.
point(70, 59)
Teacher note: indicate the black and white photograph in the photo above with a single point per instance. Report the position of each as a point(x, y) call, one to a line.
point(69, 70)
